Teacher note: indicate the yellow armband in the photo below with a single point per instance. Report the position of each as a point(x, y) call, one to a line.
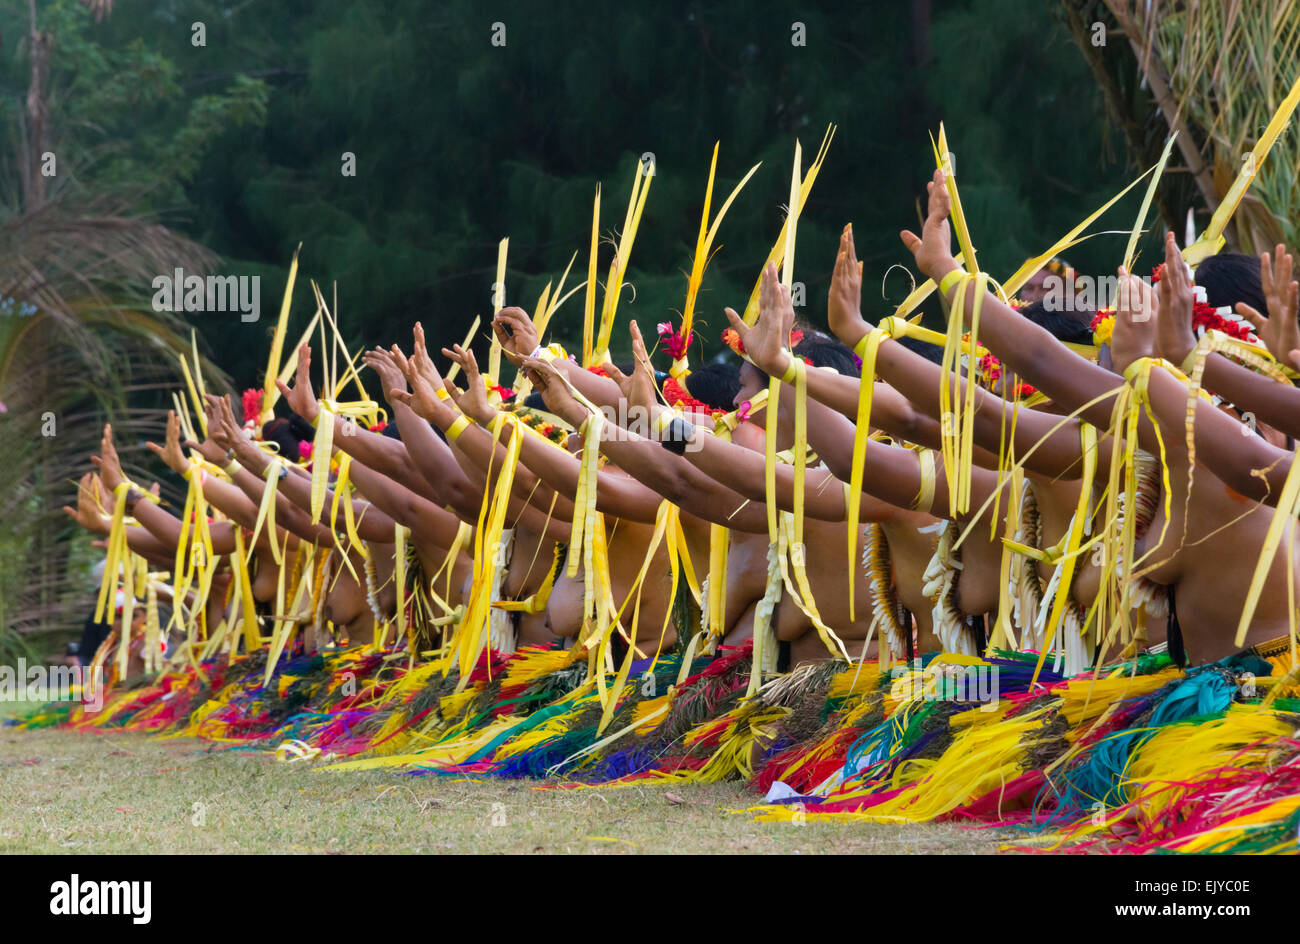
point(925, 497)
point(457, 427)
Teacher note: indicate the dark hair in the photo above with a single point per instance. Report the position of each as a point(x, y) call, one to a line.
point(534, 401)
point(280, 432)
point(715, 385)
point(1232, 277)
point(823, 351)
point(1062, 325)
point(391, 431)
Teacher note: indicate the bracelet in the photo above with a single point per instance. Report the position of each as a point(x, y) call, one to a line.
point(925, 496)
point(232, 467)
point(791, 371)
point(442, 394)
point(680, 432)
point(1189, 362)
point(952, 278)
point(457, 427)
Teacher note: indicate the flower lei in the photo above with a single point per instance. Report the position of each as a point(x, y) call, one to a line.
point(251, 403)
point(673, 341)
point(732, 340)
point(678, 396)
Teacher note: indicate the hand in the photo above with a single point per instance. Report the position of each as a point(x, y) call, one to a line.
point(1279, 330)
point(110, 466)
point(385, 365)
point(1174, 326)
point(171, 452)
point(88, 513)
point(220, 439)
point(1138, 315)
point(765, 342)
point(844, 302)
point(521, 338)
point(555, 390)
point(1176, 303)
point(423, 364)
point(473, 402)
point(933, 248)
point(639, 389)
point(301, 397)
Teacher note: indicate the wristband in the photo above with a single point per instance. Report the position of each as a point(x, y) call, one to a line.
point(232, 467)
point(442, 394)
point(457, 427)
point(951, 279)
point(1189, 362)
point(791, 371)
point(925, 496)
point(270, 467)
point(679, 435)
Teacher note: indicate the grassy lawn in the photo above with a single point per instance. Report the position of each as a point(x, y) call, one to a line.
point(127, 793)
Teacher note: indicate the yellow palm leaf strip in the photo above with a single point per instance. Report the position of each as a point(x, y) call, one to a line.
point(128, 611)
point(322, 449)
point(1068, 562)
point(342, 495)
point(1004, 633)
point(270, 392)
point(610, 699)
point(769, 457)
point(252, 637)
point(198, 367)
point(801, 591)
point(867, 349)
point(194, 393)
point(944, 159)
point(1140, 222)
point(764, 653)
point(536, 603)
point(618, 270)
point(400, 534)
point(266, 508)
point(498, 302)
point(1031, 266)
point(473, 631)
point(791, 220)
point(678, 535)
point(703, 251)
point(113, 557)
point(958, 401)
point(777, 253)
point(589, 306)
point(918, 294)
point(181, 571)
point(1212, 240)
point(454, 369)
point(283, 624)
point(335, 384)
